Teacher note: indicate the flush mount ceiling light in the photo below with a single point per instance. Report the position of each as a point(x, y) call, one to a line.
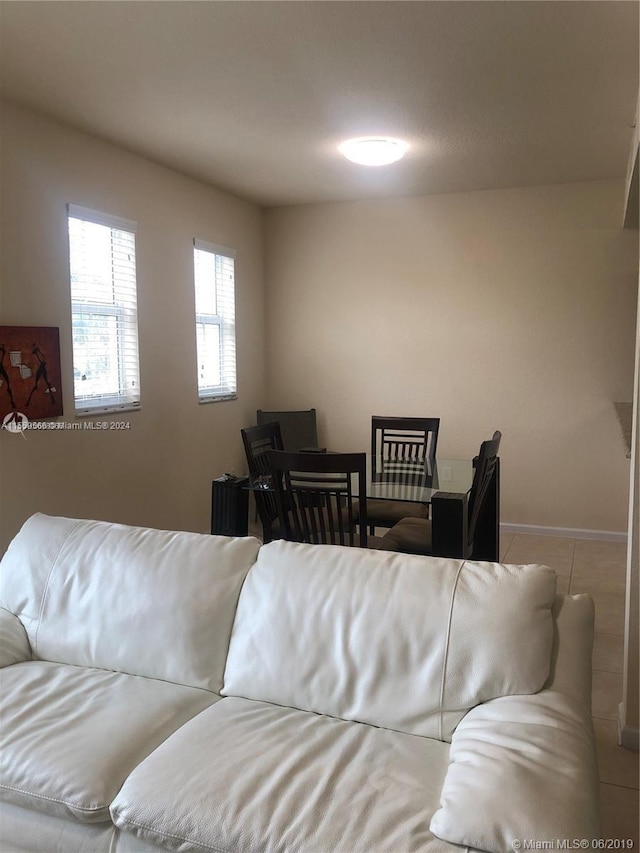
point(373, 150)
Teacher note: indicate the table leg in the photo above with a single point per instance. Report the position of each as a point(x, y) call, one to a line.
point(449, 524)
point(229, 507)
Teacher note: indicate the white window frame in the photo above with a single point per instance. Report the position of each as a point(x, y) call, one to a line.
point(123, 307)
point(223, 319)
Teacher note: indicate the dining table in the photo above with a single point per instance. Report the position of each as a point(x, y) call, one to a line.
point(446, 480)
point(408, 480)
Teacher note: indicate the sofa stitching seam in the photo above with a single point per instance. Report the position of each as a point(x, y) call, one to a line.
point(445, 658)
point(114, 838)
point(47, 584)
point(55, 799)
point(153, 829)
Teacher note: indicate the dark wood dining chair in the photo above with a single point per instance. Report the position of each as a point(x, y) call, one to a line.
point(258, 442)
point(321, 497)
point(452, 530)
point(402, 449)
point(299, 428)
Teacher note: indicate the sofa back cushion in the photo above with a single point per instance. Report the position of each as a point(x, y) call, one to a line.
point(146, 602)
point(403, 642)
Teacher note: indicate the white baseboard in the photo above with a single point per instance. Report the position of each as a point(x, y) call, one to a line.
point(565, 532)
point(627, 736)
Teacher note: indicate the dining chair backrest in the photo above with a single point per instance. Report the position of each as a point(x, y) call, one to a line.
point(321, 497)
point(299, 428)
point(258, 442)
point(410, 439)
point(462, 525)
point(485, 467)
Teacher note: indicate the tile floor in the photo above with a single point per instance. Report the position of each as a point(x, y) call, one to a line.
point(598, 568)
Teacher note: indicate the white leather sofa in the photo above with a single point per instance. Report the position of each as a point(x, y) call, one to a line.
point(176, 691)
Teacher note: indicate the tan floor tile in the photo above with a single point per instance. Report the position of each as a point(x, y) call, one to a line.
point(600, 560)
point(599, 549)
point(606, 694)
point(609, 619)
point(544, 544)
point(612, 574)
point(536, 541)
point(562, 587)
point(602, 590)
point(609, 598)
point(617, 766)
point(619, 813)
point(608, 651)
point(549, 550)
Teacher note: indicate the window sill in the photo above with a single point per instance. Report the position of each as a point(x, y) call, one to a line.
point(221, 399)
point(105, 410)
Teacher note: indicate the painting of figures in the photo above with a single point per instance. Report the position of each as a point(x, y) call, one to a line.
point(30, 380)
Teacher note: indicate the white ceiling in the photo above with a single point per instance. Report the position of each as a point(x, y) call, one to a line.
point(254, 97)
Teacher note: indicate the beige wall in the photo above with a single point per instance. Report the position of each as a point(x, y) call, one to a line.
point(159, 472)
point(510, 309)
point(629, 712)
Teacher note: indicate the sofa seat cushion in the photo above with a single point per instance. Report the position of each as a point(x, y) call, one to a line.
point(71, 736)
point(24, 830)
point(247, 775)
point(398, 641)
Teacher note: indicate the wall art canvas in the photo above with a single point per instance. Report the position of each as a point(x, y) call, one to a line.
point(30, 378)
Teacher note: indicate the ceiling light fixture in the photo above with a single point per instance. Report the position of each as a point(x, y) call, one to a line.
point(373, 150)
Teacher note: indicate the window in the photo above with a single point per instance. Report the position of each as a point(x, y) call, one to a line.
point(214, 273)
point(104, 314)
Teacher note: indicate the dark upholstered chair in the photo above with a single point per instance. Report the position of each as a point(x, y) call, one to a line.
point(298, 428)
point(258, 441)
point(401, 448)
point(321, 497)
point(426, 536)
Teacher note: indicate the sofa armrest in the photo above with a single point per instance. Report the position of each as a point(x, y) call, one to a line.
point(573, 626)
point(524, 767)
point(521, 768)
point(14, 643)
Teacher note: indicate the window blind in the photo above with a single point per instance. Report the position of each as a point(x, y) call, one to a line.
point(104, 316)
point(214, 276)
